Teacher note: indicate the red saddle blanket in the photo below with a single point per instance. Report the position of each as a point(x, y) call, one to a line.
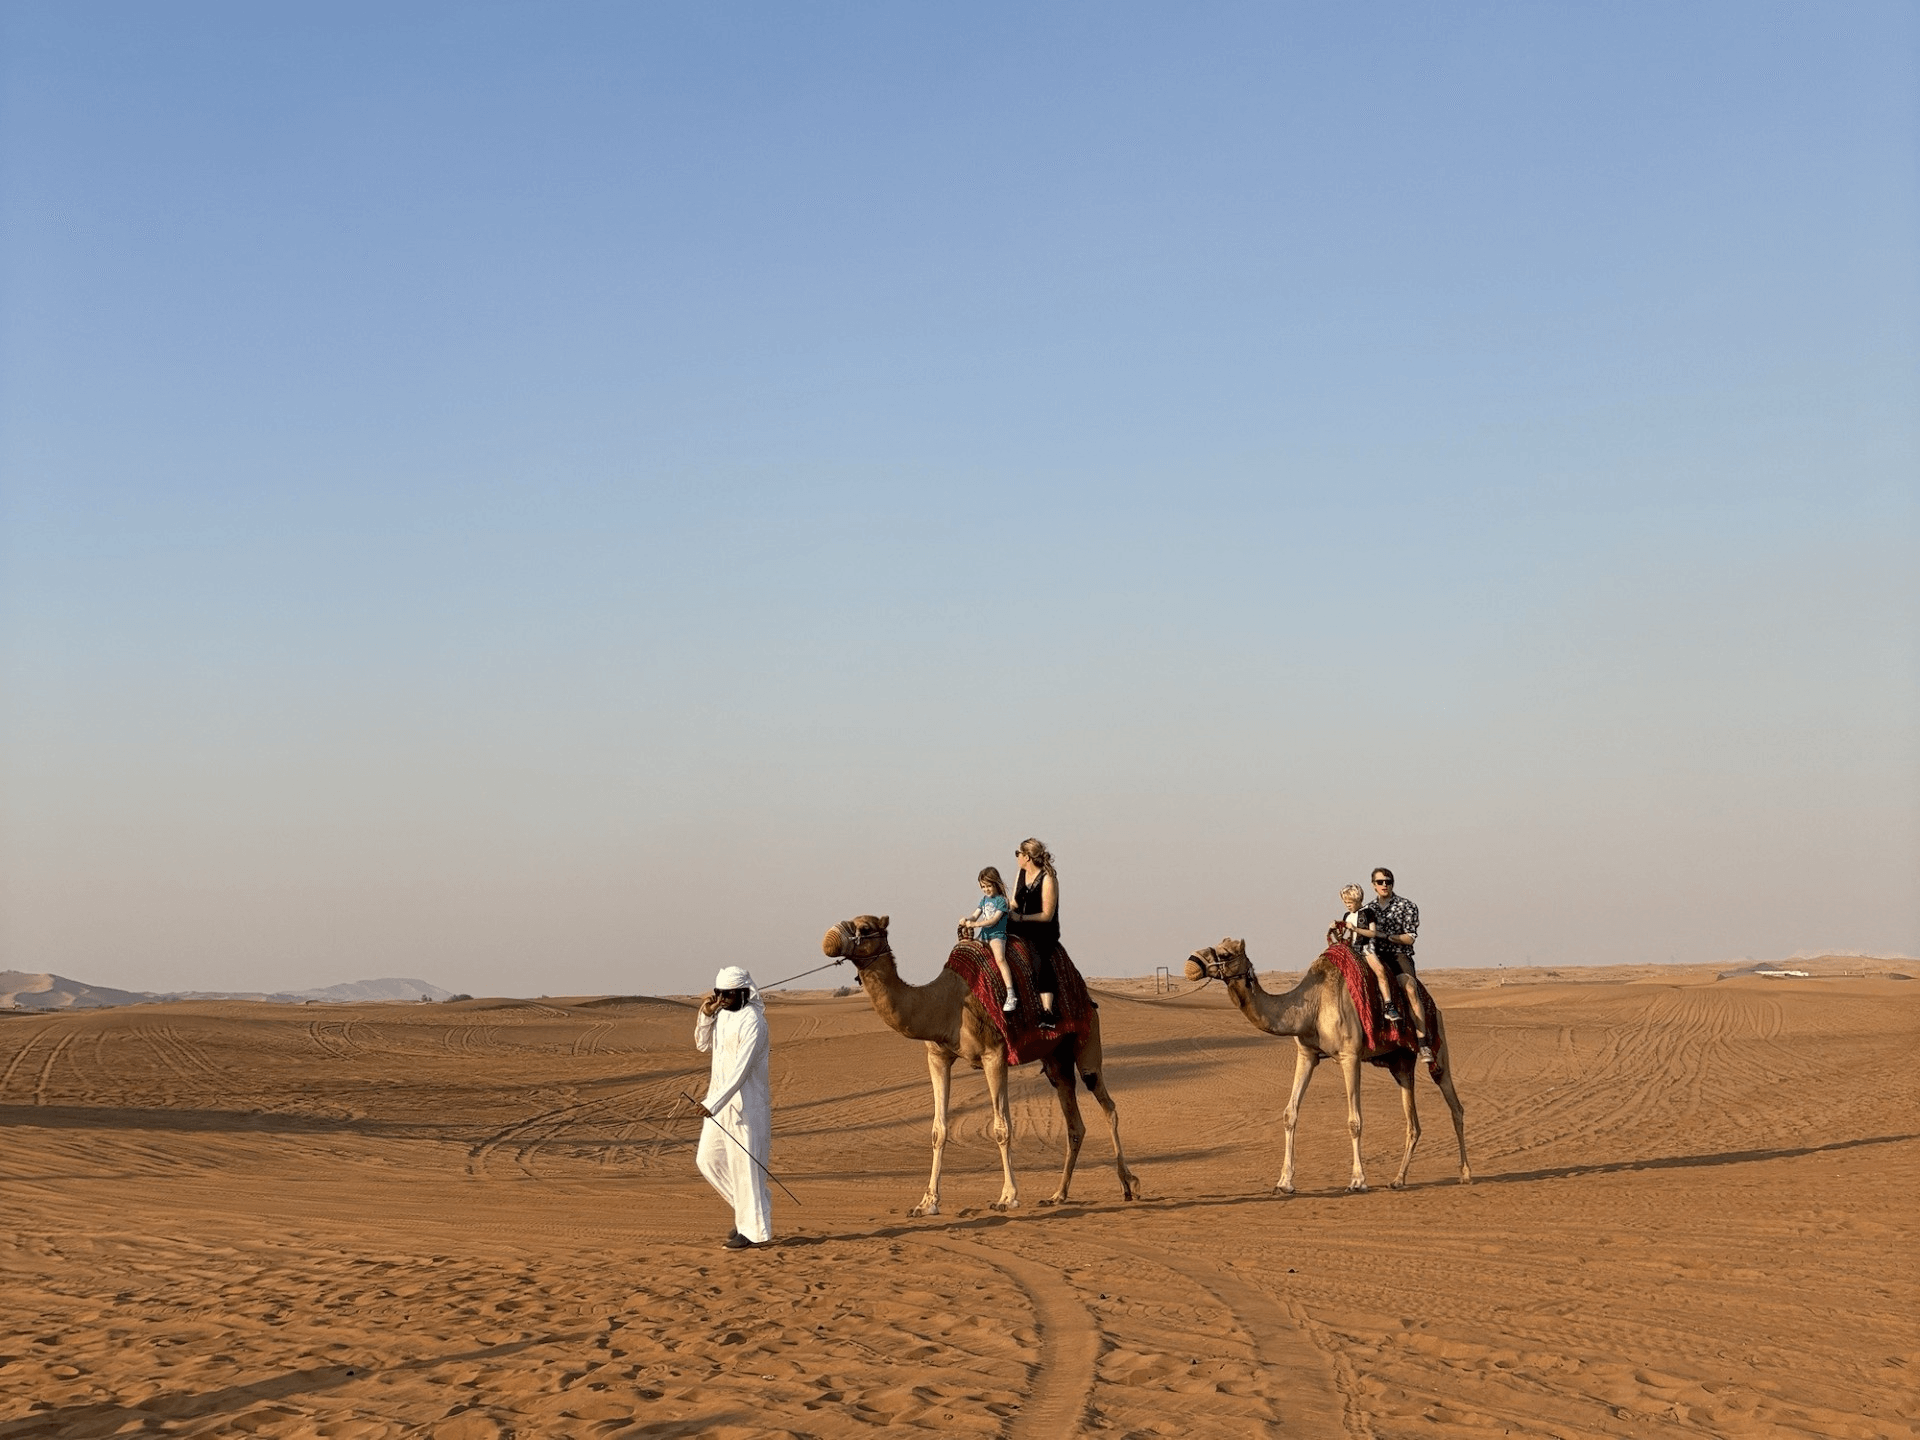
point(973, 962)
point(1382, 1034)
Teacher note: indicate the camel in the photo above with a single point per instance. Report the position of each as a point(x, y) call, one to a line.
point(1319, 1014)
point(945, 1014)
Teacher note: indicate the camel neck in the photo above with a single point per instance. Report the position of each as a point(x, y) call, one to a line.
point(920, 1012)
point(1293, 1012)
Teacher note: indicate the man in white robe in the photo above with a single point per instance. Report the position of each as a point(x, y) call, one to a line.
point(733, 1025)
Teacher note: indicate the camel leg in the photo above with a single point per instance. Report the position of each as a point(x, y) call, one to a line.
point(1060, 1071)
point(1303, 1066)
point(940, 1067)
point(1350, 1072)
point(1403, 1077)
point(994, 1064)
point(1447, 1093)
point(1087, 1062)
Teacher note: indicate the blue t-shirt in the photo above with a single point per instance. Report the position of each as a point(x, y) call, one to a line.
point(994, 906)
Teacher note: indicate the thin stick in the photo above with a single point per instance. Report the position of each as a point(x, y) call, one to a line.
point(743, 1149)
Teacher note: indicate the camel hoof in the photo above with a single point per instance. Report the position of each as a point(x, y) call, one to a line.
point(1465, 1178)
point(1054, 1200)
point(1396, 1185)
point(925, 1207)
point(1283, 1189)
point(1005, 1205)
point(1358, 1187)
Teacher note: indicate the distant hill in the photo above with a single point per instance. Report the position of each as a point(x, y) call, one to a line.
point(24, 991)
point(55, 992)
point(389, 989)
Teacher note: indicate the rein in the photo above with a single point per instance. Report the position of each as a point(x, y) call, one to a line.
point(850, 937)
point(803, 974)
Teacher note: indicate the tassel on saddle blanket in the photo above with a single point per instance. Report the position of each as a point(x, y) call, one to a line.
point(1382, 1034)
point(973, 963)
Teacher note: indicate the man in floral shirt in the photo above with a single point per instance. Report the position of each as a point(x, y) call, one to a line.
point(1396, 925)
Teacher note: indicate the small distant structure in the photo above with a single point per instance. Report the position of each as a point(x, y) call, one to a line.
point(1768, 970)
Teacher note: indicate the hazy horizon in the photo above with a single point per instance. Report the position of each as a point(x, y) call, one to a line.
point(608, 492)
point(831, 981)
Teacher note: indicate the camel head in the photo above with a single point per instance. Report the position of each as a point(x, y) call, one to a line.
point(862, 940)
point(1227, 961)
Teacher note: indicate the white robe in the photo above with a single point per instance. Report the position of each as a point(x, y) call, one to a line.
point(739, 1098)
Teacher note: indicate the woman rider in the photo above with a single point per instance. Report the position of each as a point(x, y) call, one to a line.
point(1036, 919)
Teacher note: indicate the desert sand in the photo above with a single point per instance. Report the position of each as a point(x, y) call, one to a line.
point(1693, 1213)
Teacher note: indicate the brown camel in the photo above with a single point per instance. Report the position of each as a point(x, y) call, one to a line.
point(945, 1014)
point(1319, 1014)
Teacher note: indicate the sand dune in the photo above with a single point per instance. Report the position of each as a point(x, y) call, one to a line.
point(1693, 1215)
point(23, 990)
point(20, 989)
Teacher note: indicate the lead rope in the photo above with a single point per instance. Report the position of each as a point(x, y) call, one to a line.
point(804, 973)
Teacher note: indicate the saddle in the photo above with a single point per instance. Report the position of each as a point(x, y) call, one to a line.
point(1073, 1008)
point(1382, 1034)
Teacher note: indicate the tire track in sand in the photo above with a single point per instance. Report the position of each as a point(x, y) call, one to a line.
point(335, 1037)
point(46, 1070)
point(588, 1043)
point(1314, 1378)
point(522, 1133)
point(190, 1052)
point(20, 1055)
point(1069, 1341)
point(183, 1061)
point(461, 1040)
point(1301, 1385)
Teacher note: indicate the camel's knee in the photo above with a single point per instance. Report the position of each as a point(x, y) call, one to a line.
point(939, 1136)
point(1353, 1127)
point(1002, 1134)
point(1293, 1117)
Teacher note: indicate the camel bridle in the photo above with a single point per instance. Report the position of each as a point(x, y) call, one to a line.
point(1223, 967)
point(851, 935)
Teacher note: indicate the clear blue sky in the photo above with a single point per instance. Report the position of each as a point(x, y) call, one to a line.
point(559, 498)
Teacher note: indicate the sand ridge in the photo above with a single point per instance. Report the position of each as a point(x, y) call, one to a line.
point(1693, 1215)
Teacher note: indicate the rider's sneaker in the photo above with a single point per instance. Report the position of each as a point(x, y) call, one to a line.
point(1011, 1004)
point(1426, 1054)
point(1394, 1015)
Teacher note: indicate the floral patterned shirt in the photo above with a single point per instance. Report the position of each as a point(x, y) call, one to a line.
point(1395, 915)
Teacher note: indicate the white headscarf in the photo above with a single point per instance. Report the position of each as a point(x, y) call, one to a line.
point(733, 978)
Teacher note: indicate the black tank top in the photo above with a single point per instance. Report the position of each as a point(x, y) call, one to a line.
point(1026, 903)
